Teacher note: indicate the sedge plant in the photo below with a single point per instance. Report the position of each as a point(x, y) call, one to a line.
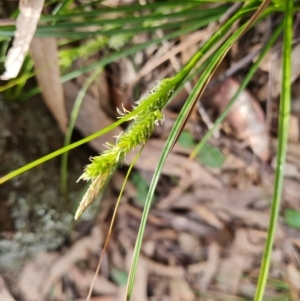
point(147, 112)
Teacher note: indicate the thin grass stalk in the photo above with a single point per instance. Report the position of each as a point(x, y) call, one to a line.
point(284, 110)
point(72, 122)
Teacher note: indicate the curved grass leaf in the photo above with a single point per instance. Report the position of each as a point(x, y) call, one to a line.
point(284, 110)
point(73, 118)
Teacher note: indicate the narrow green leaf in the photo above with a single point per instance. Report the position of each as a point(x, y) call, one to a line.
point(211, 156)
point(73, 118)
point(186, 139)
point(118, 276)
point(141, 187)
point(285, 104)
point(292, 218)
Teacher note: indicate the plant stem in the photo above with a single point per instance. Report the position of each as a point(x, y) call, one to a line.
point(285, 103)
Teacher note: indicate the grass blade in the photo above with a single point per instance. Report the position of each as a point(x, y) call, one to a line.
point(285, 104)
point(73, 118)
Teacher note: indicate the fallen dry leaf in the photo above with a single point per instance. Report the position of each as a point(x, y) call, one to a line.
point(208, 216)
point(189, 244)
point(45, 56)
point(101, 286)
point(4, 293)
point(164, 270)
point(294, 276)
point(139, 292)
point(34, 276)
point(294, 132)
point(229, 197)
point(246, 117)
point(239, 260)
point(211, 266)
point(277, 67)
point(102, 298)
point(79, 251)
point(232, 162)
point(30, 11)
point(180, 290)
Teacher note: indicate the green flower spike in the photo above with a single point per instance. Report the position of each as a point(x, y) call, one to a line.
point(138, 133)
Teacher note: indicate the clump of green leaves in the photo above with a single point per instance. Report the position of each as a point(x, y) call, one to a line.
point(139, 132)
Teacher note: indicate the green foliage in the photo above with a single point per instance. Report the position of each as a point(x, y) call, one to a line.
point(292, 218)
point(142, 187)
point(208, 155)
point(211, 156)
point(285, 106)
point(71, 126)
point(186, 140)
point(118, 276)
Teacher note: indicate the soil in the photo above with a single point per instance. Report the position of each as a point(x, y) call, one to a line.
point(34, 217)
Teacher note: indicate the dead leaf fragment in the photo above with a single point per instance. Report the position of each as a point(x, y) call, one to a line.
point(34, 275)
point(240, 259)
point(180, 290)
point(294, 129)
point(4, 293)
point(246, 117)
point(79, 251)
point(293, 275)
point(277, 67)
point(45, 56)
point(208, 216)
point(140, 286)
point(83, 281)
point(30, 11)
